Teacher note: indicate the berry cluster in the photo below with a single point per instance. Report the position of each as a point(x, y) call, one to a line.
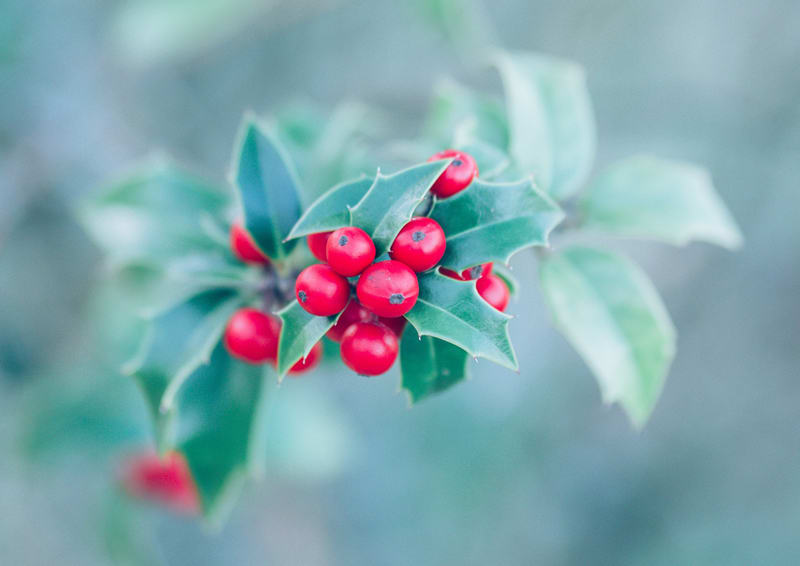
point(371, 319)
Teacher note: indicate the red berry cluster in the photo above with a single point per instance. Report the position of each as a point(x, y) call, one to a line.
point(372, 320)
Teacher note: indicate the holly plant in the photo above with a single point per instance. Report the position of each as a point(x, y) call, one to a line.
point(241, 289)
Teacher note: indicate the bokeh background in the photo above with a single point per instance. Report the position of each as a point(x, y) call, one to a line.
point(527, 468)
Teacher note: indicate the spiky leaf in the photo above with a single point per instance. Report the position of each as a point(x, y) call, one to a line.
point(491, 221)
point(331, 210)
point(300, 330)
point(453, 311)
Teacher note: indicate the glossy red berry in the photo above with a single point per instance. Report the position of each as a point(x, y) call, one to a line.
point(369, 348)
point(316, 243)
point(349, 251)
point(165, 480)
point(469, 274)
point(311, 361)
point(252, 336)
point(420, 244)
point(321, 291)
point(494, 291)
point(353, 312)
point(388, 288)
point(396, 324)
point(244, 247)
point(457, 176)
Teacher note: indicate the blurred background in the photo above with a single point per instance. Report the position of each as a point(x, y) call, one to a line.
point(506, 468)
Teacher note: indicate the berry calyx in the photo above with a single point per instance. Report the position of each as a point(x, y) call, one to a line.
point(388, 288)
point(420, 244)
point(469, 274)
point(321, 291)
point(252, 336)
point(457, 176)
point(311, 361)
point(244, 247)
point(316, 243)
point(494, 291)
point(353, 312)
point(369, 348)
point(349, 250)
point(165, 480)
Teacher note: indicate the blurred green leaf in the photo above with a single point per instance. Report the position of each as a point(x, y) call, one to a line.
point(221, 426)
point(453, 311)
point(179, 341)
point(331, 210)
point(491, 221)
point(153, 216)
point(430, 365)
point(490, 160)
point(268, 190)
point(649, 197)
point(550, 119)
point(300, 330)
point(390, 201)
point(613, 316)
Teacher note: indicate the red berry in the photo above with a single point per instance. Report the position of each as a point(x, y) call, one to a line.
point(316, 243)
point(494, 291)
point(420, 244)
point(311, 361)
point(457, 176)
point(388, 288)
point(470, 273)
point(369, 348)
point(244, 247)
point(252, 336)
point(166, 480)
point(353, 312)
point(321, 291)
point(396, 324)
point(349, 250)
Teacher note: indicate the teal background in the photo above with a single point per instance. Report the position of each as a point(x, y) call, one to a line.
point(507, 468)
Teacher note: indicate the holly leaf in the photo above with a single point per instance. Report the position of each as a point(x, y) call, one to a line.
point(508, 278)
point(649, 197)
point(453, 311)
point(492, 221)
point(390, 201)
point(179, 341)
point(331, 210)
point(551, 122)
point(220, 429)
point(152, 215)
point(267, 189)
point(490, 160)
point(300, 330)
point(612, 315)
point(430, 365)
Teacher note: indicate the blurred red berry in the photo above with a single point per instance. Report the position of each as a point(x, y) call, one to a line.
point(244, 247)
point(164, 480)
point(494, 291)
point(316, 243)
point(349, 251)
point(396, 324)
point(312, 360)
point(252, 336)
point(353, 312)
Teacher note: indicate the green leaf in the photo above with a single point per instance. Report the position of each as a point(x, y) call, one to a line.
point(550, 119)
point(391, 201)
point(649, 197)
point(300, 330)
point(453, 311)
point(268, 190)
point(430, 365)
point(331, 210)
point(153, 215)
point(220, 428)
point(490, 160)
point(179, 341)
point(613, 316)
point(453, 104)
point(491, 221)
